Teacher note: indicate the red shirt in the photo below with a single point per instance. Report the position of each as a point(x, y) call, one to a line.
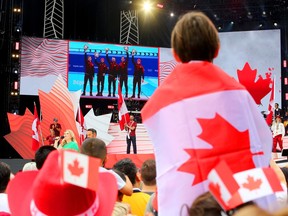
point(132, 124)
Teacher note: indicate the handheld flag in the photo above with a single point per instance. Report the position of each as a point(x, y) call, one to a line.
point(123, 112)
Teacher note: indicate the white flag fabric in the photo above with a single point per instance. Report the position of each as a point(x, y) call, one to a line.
point(80, 170)
point(197, 117)
point(123, 114)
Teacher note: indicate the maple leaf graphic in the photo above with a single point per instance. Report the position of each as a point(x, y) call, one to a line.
point(75, 169)
point(252, 184)
point(257, 88)
point(228, 144)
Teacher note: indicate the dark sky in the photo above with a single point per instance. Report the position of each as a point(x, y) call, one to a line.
point(99, 21)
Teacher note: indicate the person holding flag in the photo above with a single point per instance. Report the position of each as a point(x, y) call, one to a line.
point(214, 119)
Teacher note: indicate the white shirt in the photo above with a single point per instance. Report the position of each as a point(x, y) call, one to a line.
point(4, 207)
point(278, 128)
point(120, 182)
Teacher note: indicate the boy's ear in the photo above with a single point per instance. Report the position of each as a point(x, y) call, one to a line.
point(217, 51)
point(176, 57)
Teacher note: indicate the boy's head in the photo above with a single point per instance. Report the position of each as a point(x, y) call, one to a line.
point(148, 172)
point(195, 37)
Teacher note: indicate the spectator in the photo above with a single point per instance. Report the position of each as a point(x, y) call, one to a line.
point(138, 200)
point(148, 176)
point(41, 155)
point(44, 192)
point(5, 174)
point(95, 147)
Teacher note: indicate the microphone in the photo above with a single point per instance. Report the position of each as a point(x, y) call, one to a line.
point(61, 137)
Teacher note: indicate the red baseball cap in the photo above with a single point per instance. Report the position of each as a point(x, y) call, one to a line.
point(43, 192)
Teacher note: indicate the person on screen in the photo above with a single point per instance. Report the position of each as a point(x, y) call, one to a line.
point(131, 135)
point(112, 74)
point(138, 74)
point(102, 69)
point(89, 71)
point(123, 71)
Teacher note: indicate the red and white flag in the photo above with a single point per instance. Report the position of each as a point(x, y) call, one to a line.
point(269, 117)
point(256, 183)
point(123, 114)
point(197, 117)
point(35, 131)
point(222, 184)
point(81, 125)
point(79, 169)
point(232, 190)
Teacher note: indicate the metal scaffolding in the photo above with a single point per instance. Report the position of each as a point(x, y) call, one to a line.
point(54, 19)
point(129, 31)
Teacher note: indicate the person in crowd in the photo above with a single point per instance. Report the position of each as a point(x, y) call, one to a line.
point(68, 142)
point(278, 131)
point(277, 111)
point(120, 208)
point(45, 191)
point(148, 176)
point(29, 166)
point(102, 70)
point(138, 75)
point(152, 205)
point(89, 71)
point(195, 44)
point(112, 74)
point(95, 147)
point(138, 201)
point(5, 174)
point(91, 133)
point(56, 127)
point(123, 71)
point(130, 127)
point(41, 155)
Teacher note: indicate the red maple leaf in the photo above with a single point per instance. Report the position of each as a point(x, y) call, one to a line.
point(252, 184)
point(75, 169)
point(227, 143)
point(257, 88)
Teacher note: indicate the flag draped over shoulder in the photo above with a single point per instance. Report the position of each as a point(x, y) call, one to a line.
point(269, 117)
point(35, 131)
point(123, 112)
point(197, 117)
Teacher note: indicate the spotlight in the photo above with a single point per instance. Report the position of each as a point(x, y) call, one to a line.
point(15, 71)
point(275, 24)
point(147, 6)
point(232, 23)
point(260, 25)
point(264, 14)
point(172, 14)
point(219, 27)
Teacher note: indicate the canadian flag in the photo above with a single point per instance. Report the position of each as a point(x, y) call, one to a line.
point(35, 132)
point(123, 114)
point(197, 117)
point(231, 190)
point(81, 125)
point(222, 184)
point(269, 117)
point(79, 169)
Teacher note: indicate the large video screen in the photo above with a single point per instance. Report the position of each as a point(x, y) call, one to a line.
point(78, 58)
point(252, 56)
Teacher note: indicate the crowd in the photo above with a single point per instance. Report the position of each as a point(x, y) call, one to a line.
point(127, 189)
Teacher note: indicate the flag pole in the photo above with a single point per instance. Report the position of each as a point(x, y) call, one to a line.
point(41, 135)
